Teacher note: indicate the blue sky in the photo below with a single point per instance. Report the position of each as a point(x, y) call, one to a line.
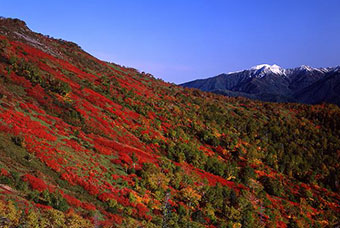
point(182, 40)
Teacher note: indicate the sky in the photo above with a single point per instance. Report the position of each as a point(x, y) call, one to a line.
point(183, 40)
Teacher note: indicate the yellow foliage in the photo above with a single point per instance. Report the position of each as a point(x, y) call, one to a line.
point(235, 214)
point(129, 223)
point(13, 214)
point(2, 209)
point(128, 210)
point(139, 199)
point(237, 225)
point(67, 97)
point(158, 180)
point(57, 218)
point(74, 220)
point(324, 223)
point(216, 133)
point(176, 110)
point(112, 203)
point(210, 211)
point(231, 177)
point(156, 205)
point(32, 220)
point(191, 195)
point(43, 222)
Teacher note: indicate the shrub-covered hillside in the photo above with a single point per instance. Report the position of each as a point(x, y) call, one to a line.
point(87, 143)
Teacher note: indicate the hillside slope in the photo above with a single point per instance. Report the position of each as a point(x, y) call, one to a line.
point(273, 83)
point(87, 143)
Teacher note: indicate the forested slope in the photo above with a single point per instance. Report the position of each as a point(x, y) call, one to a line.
point(87, 143)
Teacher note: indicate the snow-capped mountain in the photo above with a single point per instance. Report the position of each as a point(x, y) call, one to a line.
point(264, 69)
point(274, 83)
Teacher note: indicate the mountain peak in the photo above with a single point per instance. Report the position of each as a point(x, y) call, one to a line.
point(263, 69)
point(12, 23)
point(306, 68)
point(260, 66)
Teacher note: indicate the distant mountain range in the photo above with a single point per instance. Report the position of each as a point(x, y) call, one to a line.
point(265, 82)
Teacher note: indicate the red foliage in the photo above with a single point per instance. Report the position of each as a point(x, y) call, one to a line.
point(111, 219)
point(72, 200)
point(106, 130)
point(101, 149)
point(142, 210)
point(88, 206)
point(105, 196)
point(35, 182)
point(45, 207)
point(4, 172)
point(114, 176)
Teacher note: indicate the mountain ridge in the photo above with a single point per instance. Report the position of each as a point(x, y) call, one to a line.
point(270, 83)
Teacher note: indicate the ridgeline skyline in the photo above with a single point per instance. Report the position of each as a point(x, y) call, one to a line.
point(182, 41)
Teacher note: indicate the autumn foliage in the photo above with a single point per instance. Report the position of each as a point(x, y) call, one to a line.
point(83, 141)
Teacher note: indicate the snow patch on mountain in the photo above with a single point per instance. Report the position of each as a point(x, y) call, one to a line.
point(311, 69)
point(264, 69)
point(306, 68)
